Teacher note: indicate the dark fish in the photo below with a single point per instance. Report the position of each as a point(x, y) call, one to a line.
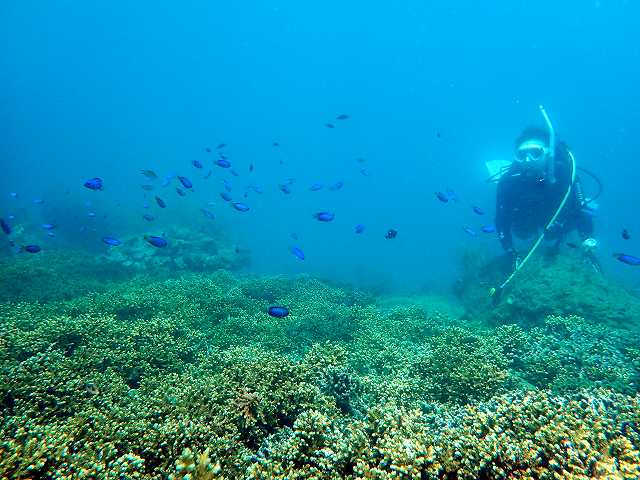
point(297, 252)
point(324, 216)
point(221, 146)
point(94, 183)
point(442, 197)
point(234, 173)
point(223, 162)
point(470, 231)
point(488, 228)
point(572, 245)
point(337, 186)
point(364, 171)
point(342, 116)
point(149, 174)
point(148, 217)
point(315, 187)
point(180, 192)
point(186, 183)
point(360, 160)
point(111, 241)
point(278, 311)
point(625, 234)
point(6, 228)
point(275, 144)
point(31, 248)
point(48, 226)
point(628, 259)
point(160, 202)
point(157, 242)
point(359, 228)
point(208, 150)
point(251, 167)
point(329, 125)
point(391, 233)
point(478, 210)
point(208, 174)
point(438, 135)
point(241, 207)
point(225, 196)
point(147, 188)
point(285, 188)
point(197, 163)
point(207, 213)
point(294, 235)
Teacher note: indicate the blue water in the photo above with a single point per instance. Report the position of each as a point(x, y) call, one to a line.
point(433, 89)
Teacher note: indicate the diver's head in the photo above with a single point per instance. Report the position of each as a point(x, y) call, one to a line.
point(532, 150)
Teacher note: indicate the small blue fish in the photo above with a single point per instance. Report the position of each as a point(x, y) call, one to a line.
point(359, 228)
point(223, 162)
point(148, 217)
point(297, 252)
point(180, 192)
point(197, 163)
point(391, 233)
point(256, 188)
point(160, 202)
point(442, 197)
point(38, 201)
point(91, 214)
point(167, 180)
point(31, 248)
point(324, 216)
point(227, 185)
point(336, 186)
point(225, 196)
point(157, 242)
point(208, 174)
point(478, 210)
point(51, 234)
point(364, 171)
point(145, 205)
point(94, 183)
point(470, 231)
point(186, 183)
point(234, 173)
point(48, 226)
point(241, 207)
point(13, 194)
point(628, 259)
point(488, 228)
point(6, 228)
point(208, 213)
point(111, 241)
point(315, 187)
point(285, 188)
point(278, 311)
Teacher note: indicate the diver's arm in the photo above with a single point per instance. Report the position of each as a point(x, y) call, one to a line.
point(503, 215)
point(584, 221)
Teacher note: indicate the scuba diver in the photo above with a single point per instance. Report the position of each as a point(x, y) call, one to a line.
point(539, 193)
point(530, 191)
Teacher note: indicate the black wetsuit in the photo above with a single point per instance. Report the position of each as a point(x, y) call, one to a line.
point(526, 201)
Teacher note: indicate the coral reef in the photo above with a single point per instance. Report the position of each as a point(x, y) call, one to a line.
point(189, 378)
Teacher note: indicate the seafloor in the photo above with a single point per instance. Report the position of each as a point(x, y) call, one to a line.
point(137, 365)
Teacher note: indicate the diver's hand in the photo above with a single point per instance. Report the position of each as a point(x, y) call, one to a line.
point(515, 257)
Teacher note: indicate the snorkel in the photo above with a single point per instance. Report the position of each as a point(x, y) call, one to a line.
point(551, 167)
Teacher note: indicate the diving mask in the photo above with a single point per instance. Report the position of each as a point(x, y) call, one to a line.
point(531, 152)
